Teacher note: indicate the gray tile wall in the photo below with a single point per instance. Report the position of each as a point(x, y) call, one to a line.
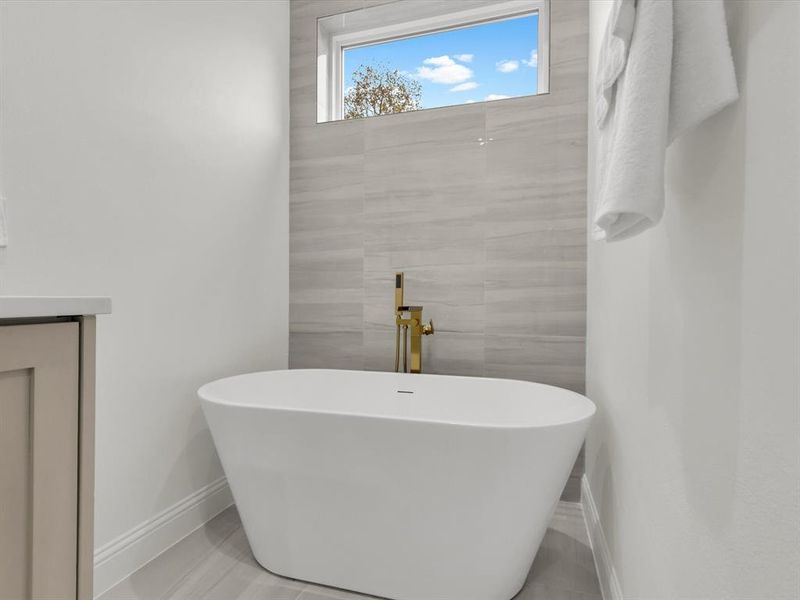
point(492, 237)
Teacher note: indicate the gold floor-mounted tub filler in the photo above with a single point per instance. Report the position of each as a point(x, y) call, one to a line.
point(408, 317)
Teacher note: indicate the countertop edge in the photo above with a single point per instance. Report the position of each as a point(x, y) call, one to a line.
point(23, 307)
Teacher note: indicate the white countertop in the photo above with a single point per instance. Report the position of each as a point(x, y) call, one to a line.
point(18, 307)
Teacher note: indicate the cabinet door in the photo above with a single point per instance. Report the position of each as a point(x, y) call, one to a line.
point(38, 461)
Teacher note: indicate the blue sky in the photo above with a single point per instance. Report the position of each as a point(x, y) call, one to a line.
point(475, 63)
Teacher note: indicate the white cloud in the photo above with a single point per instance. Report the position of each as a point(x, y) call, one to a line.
point(464, 57)
point(464, 87)
point(439, 61)
point(533, 61)
point(507, 66)
point(443, 70)
point(496, 97)
point(470, 102)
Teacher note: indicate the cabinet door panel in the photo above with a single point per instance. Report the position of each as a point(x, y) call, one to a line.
point(15, 483)
point(38, 461)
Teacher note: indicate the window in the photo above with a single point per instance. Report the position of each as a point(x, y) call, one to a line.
point(417, 54)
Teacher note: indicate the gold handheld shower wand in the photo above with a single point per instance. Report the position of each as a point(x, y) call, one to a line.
point(398, 302)
point(403, 323)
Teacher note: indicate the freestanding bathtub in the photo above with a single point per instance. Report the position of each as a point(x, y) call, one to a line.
point(412, 487)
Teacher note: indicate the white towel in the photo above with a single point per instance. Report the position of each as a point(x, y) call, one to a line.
point(613, 55)
point(679, 71)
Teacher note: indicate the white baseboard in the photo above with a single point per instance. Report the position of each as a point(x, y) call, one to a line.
point(609, 584)
point(117, 559)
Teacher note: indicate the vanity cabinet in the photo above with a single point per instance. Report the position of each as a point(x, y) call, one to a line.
point(46, 457)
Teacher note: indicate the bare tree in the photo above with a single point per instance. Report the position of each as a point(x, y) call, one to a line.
point(380, 90)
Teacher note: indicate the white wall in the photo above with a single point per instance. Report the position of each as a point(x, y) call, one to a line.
point(693, 346)
point(145, 157)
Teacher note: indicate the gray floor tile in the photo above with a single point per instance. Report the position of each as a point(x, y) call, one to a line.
point(157, 577)
point(538, 591)
point(215, 563)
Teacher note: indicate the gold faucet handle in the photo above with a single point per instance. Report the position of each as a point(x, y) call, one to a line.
point(428, 329)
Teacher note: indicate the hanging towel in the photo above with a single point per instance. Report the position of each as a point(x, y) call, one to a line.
point(679, 71)
point(613, 55)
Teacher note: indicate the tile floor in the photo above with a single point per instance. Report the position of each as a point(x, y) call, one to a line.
point(215, 563)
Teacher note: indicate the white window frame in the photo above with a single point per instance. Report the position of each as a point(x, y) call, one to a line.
point(389, 22)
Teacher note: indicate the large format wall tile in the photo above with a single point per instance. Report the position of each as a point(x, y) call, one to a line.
point(483, 206)
point(340, 350)
point(554, 360)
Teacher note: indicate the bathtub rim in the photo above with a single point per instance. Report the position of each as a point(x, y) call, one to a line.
point(205, 396)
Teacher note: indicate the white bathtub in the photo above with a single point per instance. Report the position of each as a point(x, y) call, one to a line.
point(413, 487)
